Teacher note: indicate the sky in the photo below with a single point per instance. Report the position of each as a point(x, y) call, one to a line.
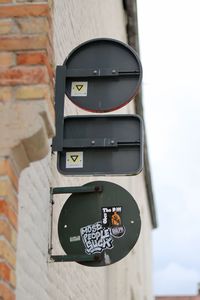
point(169, 33)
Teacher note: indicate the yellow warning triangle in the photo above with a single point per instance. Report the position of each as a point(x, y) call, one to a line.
point(79, 86)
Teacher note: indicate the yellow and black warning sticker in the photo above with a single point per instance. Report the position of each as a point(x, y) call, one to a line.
point(74, 160)
point(79, 89)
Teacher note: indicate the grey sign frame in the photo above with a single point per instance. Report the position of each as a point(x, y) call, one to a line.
point(102, 145)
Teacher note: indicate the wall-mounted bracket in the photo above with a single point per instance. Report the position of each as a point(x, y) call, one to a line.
point(60, 85)
point(71, 190)
point(103, 72)
point(76, 258)
point(75, 189)
point(99, 143)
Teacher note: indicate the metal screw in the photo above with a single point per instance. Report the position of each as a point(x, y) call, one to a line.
point(112, 142)
point(95, 72)
point(132, 222)
point(92, 142)
point(113, 71)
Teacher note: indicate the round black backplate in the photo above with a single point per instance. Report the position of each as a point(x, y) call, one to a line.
point(104, 224)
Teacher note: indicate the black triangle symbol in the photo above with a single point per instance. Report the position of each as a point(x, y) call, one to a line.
point(79, 87)
point(74, 157)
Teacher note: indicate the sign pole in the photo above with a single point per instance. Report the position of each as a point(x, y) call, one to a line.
point(59, 107)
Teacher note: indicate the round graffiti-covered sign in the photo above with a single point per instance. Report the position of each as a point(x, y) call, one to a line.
point(104, 224)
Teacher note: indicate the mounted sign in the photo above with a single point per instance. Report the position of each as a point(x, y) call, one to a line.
point(100, 145)
point(105, 224)
point(102, 75)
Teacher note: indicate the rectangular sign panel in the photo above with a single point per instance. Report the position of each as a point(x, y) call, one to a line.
point(102, 145)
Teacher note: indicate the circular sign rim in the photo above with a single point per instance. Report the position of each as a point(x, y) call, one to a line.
point(137, 86)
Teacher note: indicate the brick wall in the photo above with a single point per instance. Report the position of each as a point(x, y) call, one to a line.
point(26, 57)
point(8, 229)
point(26, 81)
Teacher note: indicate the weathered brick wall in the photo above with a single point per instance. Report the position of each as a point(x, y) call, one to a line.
point(8, 228)
point(26, 114)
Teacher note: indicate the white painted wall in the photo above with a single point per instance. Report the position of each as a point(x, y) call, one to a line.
point(76, 21)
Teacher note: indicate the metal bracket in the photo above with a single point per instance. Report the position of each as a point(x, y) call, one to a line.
point(76, 258)
point(98, 143)
point(76, 189)
point(60, 88)
point(105, 72)
point(69, 190)
point(57, 144)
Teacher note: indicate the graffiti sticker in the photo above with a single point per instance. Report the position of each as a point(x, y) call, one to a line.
point(96, 238)
point(112, 218)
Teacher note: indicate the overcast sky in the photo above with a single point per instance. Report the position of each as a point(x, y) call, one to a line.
point(170, 53)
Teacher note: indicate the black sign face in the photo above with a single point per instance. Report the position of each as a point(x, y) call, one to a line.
point(102, 75)
point(106, 224)
point(99, 145)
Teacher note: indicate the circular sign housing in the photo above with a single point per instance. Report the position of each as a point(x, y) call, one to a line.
point(102, 75)
point(104, 224)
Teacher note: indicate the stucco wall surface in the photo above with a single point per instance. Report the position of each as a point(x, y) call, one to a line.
point(75, 21)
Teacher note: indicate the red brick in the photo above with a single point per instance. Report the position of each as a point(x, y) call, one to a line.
point(24, 10)
point(5, 1)
point(7, 59)
point(6, 230)
point(28, 42)
point(12, 281)
point(6, 94)
point(30, 92)
point(6, 293)
point(6, 169)
point(24, 75)
point(7, 253)
point(35, 58)
point(32, 25)
point(6, 26)
point(31, 58)
point(7, 211)
point(31, 0)
point(8, 192)
point(7, 274)
point(5, 271)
